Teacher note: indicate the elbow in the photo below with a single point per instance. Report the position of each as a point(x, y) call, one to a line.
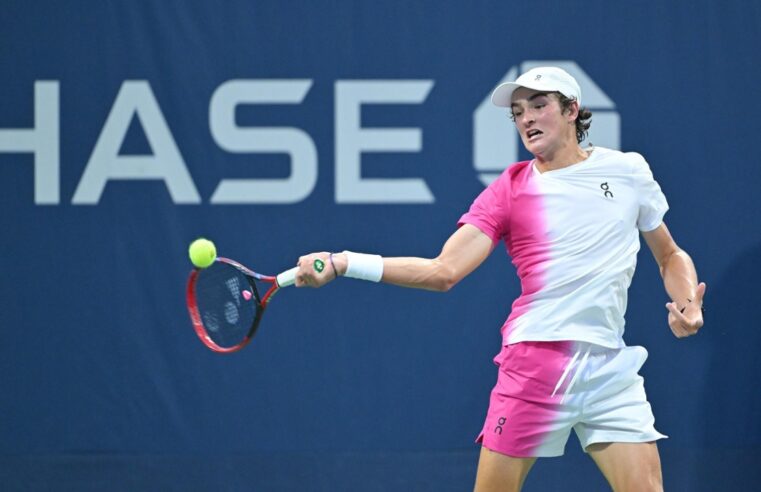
point(444, 286)
point(445, 279)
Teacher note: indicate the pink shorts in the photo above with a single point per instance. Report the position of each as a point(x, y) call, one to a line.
point(544, 389)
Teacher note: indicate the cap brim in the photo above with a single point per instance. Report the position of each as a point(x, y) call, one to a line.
point(502, 95)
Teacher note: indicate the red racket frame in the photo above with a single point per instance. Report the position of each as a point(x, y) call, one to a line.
point(195, 316)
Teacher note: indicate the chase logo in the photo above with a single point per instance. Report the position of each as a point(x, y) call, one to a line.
point(495, 141)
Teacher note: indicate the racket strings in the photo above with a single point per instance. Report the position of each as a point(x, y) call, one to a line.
point(228, 304)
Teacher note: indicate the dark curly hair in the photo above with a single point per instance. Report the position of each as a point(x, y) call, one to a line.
point(583, 121)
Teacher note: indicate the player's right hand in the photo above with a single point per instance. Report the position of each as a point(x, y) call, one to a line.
point(316, 269)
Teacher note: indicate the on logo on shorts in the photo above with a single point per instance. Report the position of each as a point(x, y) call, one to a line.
point(500, 423)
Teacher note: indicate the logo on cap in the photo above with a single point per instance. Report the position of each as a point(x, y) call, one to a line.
point(538, 77)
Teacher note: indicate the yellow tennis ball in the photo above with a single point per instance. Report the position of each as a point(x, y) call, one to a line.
point(202, 252)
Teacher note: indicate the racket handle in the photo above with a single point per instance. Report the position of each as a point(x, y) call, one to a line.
point(287, 278)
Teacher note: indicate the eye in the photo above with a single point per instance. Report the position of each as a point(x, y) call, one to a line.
point(539, 105)
point(514, 114)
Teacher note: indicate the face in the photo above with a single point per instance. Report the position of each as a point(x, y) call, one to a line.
point(542, 125)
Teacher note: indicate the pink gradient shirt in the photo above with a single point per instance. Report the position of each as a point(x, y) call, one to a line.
point(573, 236)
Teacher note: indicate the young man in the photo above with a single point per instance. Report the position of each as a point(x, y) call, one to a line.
point(570, 219)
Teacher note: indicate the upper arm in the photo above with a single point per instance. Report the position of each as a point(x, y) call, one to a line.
point(661, 244)
point(465, 250)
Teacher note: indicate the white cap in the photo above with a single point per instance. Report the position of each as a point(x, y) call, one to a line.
point(545, 79)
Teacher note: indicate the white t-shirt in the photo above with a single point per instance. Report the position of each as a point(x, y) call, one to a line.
point(573, 235)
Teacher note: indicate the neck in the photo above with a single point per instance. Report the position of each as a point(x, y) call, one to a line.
point(565, 156)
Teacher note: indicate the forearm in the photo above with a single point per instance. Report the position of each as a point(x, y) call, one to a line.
point(681, 282)
point(419, 273)
point(467, 248)
point(679, 277)
point(413, 272)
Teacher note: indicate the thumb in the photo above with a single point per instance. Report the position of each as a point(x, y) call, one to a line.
point(700, 292)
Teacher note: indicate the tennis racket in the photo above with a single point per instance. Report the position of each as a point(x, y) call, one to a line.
point(226, 303)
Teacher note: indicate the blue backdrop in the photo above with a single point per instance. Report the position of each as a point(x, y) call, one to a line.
point(278, 128)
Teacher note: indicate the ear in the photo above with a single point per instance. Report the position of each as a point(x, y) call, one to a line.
point(573, 111)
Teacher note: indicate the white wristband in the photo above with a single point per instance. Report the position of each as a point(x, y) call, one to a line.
point(364, 267)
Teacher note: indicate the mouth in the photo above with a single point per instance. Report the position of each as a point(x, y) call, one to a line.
point(533, 134)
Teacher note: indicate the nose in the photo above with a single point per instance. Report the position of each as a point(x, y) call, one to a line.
point(526, 119)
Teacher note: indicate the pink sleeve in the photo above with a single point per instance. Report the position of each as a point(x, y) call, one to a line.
point(490, 211)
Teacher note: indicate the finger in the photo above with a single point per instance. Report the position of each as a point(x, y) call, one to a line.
point(678, 332)
point(693, 319)
point(696, 322)
point(699, 293)
point(678, 316)
point(676, 328)
point(678, 323)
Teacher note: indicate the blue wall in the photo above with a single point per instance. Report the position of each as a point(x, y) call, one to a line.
point(355, 386)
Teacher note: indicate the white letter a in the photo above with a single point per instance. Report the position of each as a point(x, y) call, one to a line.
point(135, 98)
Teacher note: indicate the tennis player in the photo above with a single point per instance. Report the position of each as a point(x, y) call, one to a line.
point(570, 219)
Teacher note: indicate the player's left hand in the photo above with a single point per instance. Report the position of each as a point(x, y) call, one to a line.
point(687, 322)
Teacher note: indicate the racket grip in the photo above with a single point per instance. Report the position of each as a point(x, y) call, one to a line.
point(287, 278)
